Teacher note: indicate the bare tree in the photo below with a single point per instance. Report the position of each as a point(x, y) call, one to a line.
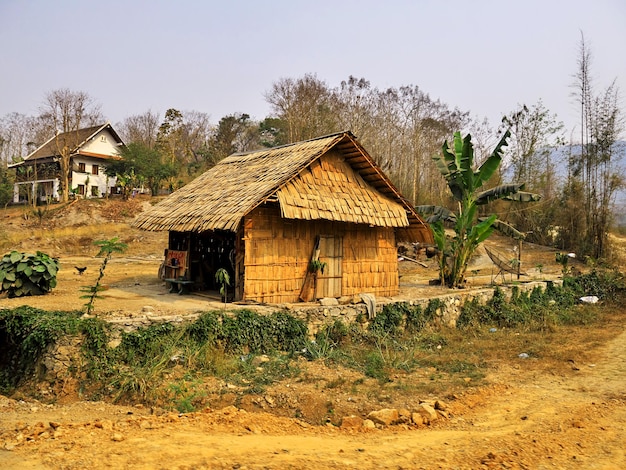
point(402, 128)
point(536, 134)
point(140, 128)
point(197, 134)
point(353, 103)
point(66, 112)
point(305, 104)
point(18, 137)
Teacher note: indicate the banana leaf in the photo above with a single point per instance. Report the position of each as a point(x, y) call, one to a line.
point(466, 160)
point(499, 192)
point(506, 229)
point(435, 214)
point(481, 231)
point(523, 196)
point(449, 167)
point(488, 168)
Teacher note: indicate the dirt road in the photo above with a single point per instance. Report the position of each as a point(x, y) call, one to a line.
point(569, 418)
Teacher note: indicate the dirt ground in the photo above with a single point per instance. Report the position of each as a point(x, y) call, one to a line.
point(572, 415)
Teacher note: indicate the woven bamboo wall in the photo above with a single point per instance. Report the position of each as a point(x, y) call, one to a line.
point(278, 251)
point(370, 262)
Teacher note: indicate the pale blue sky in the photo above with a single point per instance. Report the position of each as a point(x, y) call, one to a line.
point(220, 57)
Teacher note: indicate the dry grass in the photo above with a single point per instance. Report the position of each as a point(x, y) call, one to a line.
point(71, 229)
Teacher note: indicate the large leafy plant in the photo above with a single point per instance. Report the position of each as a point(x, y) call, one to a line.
point(24, 274)
point(223, 279)
point(456, 164)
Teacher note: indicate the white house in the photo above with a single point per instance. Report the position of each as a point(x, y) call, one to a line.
point(90, 149)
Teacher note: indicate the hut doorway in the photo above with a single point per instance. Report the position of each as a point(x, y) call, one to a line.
point(196, 257)
point(210, 251)
point(328, 283)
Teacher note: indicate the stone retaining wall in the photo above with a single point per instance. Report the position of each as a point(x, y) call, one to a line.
point(349, 310)
point(447, 314)
point(63, 354)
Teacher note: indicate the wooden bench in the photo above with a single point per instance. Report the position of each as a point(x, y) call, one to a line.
point(179, 285)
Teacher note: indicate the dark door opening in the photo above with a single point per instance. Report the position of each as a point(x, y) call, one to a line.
point(210, 251)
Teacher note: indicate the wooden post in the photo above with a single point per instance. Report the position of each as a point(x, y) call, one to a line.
point(309, 277)
point(519, 258)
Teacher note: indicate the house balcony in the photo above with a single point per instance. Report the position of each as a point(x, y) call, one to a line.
point(29, 173)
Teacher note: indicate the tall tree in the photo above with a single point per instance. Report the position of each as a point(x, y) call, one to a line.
point(353, 102)
point(66, 111)
point(234, 133)
point(18, 137)
point(305, 104)
point(183, 138)
point(140, 128)
point(601, 123)
point(170, 136)
point(535, 136)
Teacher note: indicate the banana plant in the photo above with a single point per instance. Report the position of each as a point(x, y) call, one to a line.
point(456, 164)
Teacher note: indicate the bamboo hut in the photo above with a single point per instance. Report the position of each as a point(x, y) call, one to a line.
point(302, 221)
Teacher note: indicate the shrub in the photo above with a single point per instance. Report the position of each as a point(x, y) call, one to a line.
point(389, 320)
point(25, 333)
point(207, 329)
point(24, 274)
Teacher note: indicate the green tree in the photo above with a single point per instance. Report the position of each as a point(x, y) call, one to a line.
point(273, 132)
point(456, 165)
point(234, 133)
point(140, 163)
point(6, 186)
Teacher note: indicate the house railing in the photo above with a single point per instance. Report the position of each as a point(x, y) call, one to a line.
point(45, 171)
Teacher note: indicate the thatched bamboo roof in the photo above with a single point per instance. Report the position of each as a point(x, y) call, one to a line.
point(331, 178)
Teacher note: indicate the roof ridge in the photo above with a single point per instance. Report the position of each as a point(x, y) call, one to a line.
point(346, 132)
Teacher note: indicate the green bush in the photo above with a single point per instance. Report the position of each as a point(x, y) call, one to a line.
point(603, 284)
point(24, 274)
point(207, 329)
point(389, 320)
point(25, 333)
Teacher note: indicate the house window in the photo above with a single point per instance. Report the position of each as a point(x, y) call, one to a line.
point(94, 169)
point(81, 189)
point(81, 167)
point(94, 191)
point(103, 138)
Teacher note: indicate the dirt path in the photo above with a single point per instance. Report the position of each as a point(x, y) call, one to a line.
point(574, 417)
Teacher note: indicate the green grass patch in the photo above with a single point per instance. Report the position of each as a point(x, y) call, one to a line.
point(403, 348)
